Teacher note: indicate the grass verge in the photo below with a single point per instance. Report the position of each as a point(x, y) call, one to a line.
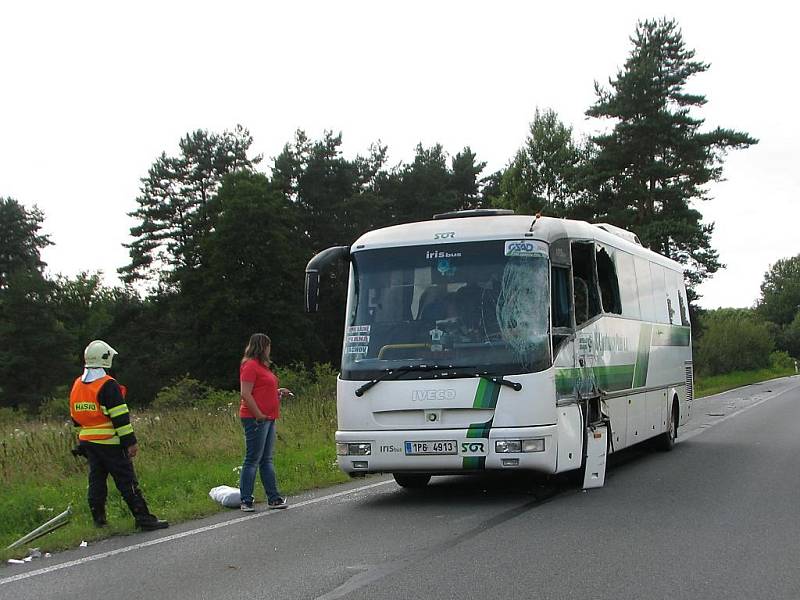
point(708, 386)
point(183, 454)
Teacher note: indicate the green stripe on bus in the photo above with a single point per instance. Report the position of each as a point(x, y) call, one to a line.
point(486, 394)
point(642, 356)
point(671, 335)
point(474, 463)
point(480, 430)
point(485, 397)
point(609, 379)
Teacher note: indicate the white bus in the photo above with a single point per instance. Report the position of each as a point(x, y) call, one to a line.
point(487, 340)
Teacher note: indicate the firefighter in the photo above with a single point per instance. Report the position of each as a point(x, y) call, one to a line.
point(106, 438)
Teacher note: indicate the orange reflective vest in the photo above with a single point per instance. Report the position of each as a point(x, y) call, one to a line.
point(89, 414)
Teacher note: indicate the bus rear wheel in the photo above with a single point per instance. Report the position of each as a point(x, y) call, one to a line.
point(411, 480)
point(666, 441)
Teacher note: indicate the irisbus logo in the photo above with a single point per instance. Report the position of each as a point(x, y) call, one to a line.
point(431, 395)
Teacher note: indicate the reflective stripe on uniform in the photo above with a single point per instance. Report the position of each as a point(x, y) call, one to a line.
point(109, 431)
point(117, 410)
point(124, 430)
point(114, 441)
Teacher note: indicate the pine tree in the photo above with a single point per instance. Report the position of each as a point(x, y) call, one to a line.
point(175, 211)
point(656, 162)
point(20, 239)
point(34, 346)
point(466, 170)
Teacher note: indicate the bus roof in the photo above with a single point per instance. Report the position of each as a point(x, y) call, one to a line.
point(504, 227)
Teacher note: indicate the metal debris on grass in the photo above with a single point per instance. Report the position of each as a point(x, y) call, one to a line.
point(45, 528)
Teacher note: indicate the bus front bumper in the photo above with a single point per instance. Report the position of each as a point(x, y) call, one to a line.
point(447, 451)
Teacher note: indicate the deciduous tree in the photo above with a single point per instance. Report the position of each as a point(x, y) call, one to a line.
point(780, 292)
point(543, 175)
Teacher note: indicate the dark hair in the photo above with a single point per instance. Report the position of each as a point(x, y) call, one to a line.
point(258, 348)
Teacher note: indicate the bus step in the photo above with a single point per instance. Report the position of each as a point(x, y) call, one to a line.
point(596, 446)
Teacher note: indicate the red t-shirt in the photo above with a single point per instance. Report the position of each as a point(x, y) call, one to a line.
point(265, 389)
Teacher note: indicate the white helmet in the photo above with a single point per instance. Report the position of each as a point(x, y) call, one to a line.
point(99, 354)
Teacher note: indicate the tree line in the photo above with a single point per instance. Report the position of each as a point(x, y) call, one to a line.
point(222, 238)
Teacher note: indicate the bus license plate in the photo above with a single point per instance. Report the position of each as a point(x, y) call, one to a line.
point(432, 447)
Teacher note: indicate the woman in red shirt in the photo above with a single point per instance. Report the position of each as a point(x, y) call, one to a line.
point(259, 410)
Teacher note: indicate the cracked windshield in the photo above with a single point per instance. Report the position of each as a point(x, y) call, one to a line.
point(478, 305)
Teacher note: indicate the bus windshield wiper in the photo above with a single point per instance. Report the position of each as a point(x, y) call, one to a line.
point(397, 371)
point(474, 372)
point(455, 373)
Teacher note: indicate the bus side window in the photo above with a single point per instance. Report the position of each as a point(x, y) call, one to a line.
point(628, 289)
point(581, 300)
point(661, 302)
point(682, 303)
point(561, 297)
point(607, 278)
point(644, 283)
point(584, 282)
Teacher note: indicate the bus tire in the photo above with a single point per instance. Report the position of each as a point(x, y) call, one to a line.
point(411, 480)
point(666, 441)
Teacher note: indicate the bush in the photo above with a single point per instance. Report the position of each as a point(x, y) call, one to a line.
point(186, 392)
point(733, 340)
point(319, 381)
point(221, 399)
point(791, 337)
point(183, 393)
point(55, 408)
point(780, 360)
point(9, 416)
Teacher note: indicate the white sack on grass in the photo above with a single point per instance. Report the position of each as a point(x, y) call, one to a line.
point(226, 495)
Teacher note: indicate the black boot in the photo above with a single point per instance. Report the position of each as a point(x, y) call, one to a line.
point(144, 519)
point(99, 515)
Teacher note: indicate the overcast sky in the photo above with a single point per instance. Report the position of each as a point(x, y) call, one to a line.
point(92, 93)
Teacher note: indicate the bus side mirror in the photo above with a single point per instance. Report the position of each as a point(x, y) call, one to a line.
point(313, 269)
point(312, 291)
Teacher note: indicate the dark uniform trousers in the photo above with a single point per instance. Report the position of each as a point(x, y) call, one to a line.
point(105, 460)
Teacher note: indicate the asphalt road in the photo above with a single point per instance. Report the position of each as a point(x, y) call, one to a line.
point(718, 517)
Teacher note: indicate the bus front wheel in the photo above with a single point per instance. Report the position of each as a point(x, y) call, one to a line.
point(411, 480)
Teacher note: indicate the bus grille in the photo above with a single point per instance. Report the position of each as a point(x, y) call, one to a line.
point(689, 381)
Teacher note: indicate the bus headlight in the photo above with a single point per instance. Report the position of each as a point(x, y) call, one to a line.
point(506, 446)
point(353, 449)
point(536, 445)
point(502, 446)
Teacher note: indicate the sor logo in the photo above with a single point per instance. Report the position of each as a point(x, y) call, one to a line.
point(444, 235)
point(467, 447)
point(422, 395)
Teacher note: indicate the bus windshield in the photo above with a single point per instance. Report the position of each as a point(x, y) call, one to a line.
point(477, 305)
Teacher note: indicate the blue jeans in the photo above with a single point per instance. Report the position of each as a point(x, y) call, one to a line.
point(259, 440)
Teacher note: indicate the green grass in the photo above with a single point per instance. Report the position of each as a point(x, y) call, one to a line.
point(183, 454)
point(707, 386)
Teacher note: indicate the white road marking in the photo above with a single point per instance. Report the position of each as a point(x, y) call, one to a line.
point(183, 534)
